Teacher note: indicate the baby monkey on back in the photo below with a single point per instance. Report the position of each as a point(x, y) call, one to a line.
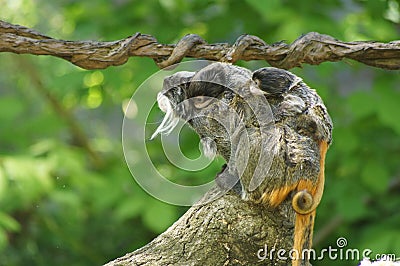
point(306, 130)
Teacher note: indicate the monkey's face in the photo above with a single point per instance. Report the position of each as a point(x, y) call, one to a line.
point(211, 101)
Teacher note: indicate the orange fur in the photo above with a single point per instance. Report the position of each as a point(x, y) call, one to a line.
point(303, 233)
point(304, 225)
point(278, 195)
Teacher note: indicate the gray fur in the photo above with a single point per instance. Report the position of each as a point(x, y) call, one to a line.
point(277, 142)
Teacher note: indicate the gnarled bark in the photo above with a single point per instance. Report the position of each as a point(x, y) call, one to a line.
point(227, 231)
point(312, 48)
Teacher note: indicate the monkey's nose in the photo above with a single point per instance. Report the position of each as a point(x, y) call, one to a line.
point(163, 102)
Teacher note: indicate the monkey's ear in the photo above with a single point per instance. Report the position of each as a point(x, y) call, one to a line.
point(177, 79)
point(274, 81)
point(214, 73)
point(209, 81)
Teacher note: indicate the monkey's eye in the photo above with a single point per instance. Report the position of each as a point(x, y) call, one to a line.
point(258, 82)
point(201, 101)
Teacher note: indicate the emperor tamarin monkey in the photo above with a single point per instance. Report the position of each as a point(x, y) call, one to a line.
point(270, 127)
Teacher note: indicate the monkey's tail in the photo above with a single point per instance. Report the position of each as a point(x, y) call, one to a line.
point(303, 233)
point(305, 203)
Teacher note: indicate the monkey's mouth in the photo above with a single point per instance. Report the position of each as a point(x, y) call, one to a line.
point(189, 110)
point(170, 119)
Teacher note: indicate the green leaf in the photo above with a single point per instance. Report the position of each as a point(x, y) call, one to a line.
point(129, 208)
point(9, 223)
point(381, 241)
point(269, 10)
point(3, 239)
point(158, 215)
point(30, 178)
point(10, 108)
point(345, 140)
point(388, 107)
point(361, 104)
point(3, 183)
point(375, 176)
point(350, 208)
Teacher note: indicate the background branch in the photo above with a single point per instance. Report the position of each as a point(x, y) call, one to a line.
point(76, 131)
point(312, 48)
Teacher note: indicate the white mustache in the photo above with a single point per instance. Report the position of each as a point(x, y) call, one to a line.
point(170, 120)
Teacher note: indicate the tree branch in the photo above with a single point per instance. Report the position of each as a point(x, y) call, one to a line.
point(312, 48)
point(227, 231)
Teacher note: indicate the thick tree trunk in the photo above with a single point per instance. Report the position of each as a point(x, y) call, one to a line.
point(227, 231)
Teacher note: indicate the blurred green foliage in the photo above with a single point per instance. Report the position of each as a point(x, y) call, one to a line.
point(58, 207)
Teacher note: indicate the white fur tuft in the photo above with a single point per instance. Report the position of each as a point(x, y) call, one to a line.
point(170, 120)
